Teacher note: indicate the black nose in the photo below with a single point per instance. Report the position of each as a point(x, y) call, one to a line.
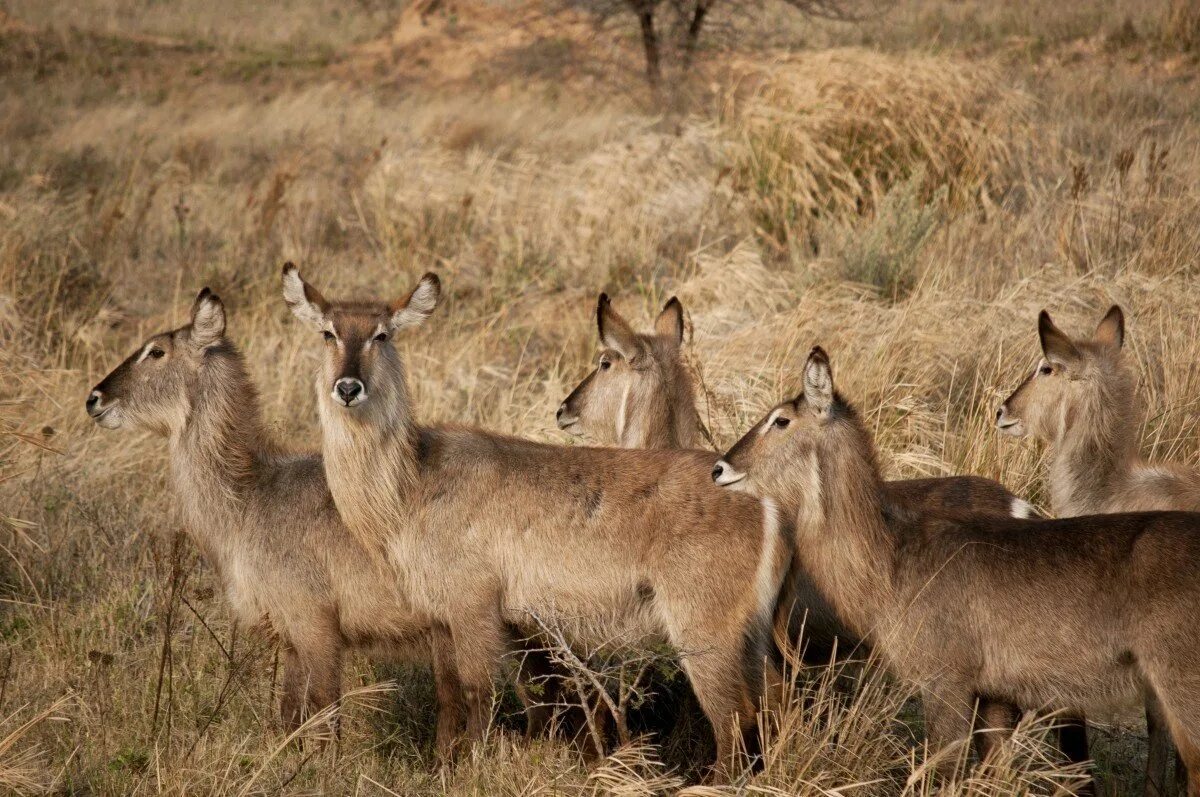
point(999, 412)
point(348, 389)
point(92, 400)
point(718, 469)
point(561, 409)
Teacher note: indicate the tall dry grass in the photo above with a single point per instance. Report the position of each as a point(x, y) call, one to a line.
point(909, 200)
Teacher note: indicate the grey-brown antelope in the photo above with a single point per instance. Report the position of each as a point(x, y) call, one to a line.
point(1081, 401)
point(484, 528)
point(1071, 613)
point(640, 394)
point(263, 517)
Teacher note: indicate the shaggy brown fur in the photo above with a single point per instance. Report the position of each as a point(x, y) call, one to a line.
point(1071, 613)
point(484, 528)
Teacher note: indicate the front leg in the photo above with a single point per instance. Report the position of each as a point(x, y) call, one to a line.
point(312, 674)
point(949, 707)
point(478, 636)
point(448, 684)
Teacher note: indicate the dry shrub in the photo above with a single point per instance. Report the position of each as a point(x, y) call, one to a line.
point(829, 133)
point(537, 220)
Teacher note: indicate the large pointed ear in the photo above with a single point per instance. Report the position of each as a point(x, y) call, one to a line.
point(1111, 330)
point(306, 301)
point(1057, 347)
point(669, 323)
point(818, 380)
point(208, 319)
point(413, 309)
point(615, 332)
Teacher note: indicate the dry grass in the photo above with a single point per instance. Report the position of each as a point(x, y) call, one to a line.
point(909, 199)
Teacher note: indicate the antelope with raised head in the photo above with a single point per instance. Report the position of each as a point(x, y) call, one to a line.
point(1081, 400)
point(1071, 613)
point(640, 394)
point(264, 518)
point(484, 528)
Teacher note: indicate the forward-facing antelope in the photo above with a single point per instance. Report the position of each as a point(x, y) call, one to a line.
point(1081, 401)
point(484, 528)
point(640, 394)
point(264, 518)
point(1069, 613)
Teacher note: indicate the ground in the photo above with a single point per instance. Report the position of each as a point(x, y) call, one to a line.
point(908, 192)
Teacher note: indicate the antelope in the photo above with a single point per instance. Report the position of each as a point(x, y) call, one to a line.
point(1081, 401)
point(264, 518)
point(640, 395)
point(484, 528)
point(1069, 613)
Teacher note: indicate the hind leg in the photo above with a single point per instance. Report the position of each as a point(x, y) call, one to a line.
point(1158, 752)
point(1173, 697)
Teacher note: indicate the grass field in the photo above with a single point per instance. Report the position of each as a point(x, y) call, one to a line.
point(908, 192)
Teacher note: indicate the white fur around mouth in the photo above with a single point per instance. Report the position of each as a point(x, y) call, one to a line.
point(105, 417)
point(566, 423)
point(1013, 428)
point(354, 402)
point(728, 475)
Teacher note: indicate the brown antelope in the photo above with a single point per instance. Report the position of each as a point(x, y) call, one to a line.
point(640, 394)
point(1081, 401)
point(484, 528)
point(264, 518)
point(1070, 613)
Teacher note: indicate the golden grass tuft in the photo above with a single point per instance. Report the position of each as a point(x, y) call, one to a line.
point(829, 133)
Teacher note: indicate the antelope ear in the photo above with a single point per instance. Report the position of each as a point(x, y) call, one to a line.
point(1111, 330)
point(669, 323)
point(818, 380)
point(615, 332)
point(1057, 347)
point(418, 305)
point(208, 319)
point(306, 302)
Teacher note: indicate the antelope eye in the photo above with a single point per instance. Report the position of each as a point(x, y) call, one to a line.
point(605, 365)
point(782, 422)
point(157, 354)
point(1046, 369)
point(381, 337)
point(328, 335)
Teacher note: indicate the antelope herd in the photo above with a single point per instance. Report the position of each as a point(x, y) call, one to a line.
point(458, 545)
